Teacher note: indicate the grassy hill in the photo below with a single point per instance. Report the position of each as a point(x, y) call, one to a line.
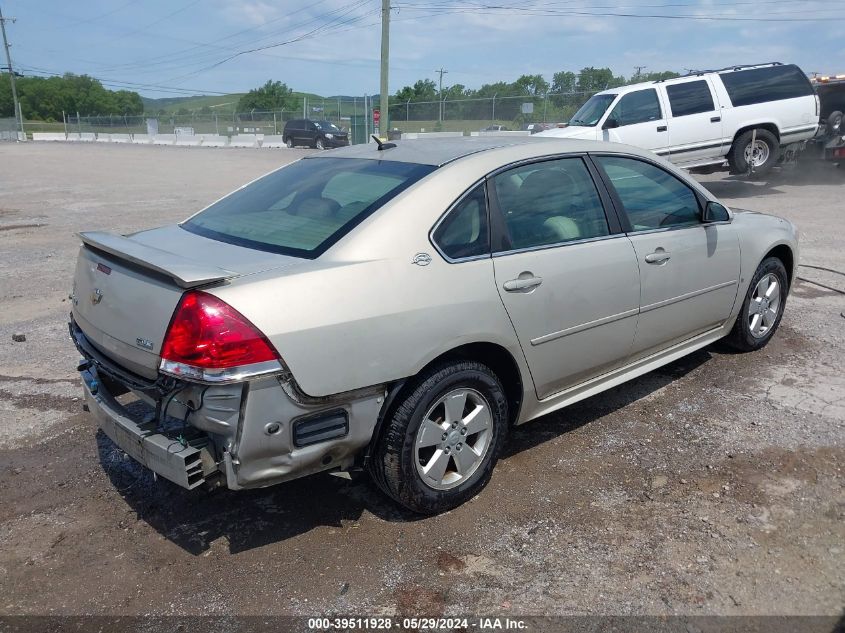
point(219, 103)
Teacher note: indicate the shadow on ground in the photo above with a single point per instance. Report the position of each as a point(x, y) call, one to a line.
point(194, 520)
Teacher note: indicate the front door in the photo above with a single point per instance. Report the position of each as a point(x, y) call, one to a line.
point(689, 270)
point(640, 122)
point(567, 276)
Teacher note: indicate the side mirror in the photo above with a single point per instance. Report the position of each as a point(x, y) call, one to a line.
point(610, 124)
point(715, 212)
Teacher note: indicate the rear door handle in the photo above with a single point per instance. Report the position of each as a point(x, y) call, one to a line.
point(715, 119)
point(522, 283)
point(661, 128)
point(657, 257)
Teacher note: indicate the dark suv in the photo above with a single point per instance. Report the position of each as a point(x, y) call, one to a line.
point(319, 134)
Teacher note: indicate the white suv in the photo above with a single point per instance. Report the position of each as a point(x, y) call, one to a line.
point(750, 116)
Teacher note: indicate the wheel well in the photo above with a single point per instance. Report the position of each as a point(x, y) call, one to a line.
point(771, 127)
point(784, 254)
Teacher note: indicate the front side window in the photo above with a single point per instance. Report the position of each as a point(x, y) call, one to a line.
point(691, 97)
point(590, 113)
point(550, 202)
point(652, 197)
point(761, 85)
point(463, 232)
point(637, 107)
point(307, 206)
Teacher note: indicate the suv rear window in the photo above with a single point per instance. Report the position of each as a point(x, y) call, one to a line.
point(304, 208)
point(690, 97)
point(761, 85)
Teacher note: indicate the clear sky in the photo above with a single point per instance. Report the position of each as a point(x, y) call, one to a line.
point(332, 47)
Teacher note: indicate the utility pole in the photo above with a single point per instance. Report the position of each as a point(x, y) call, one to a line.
point(384, 117)
point(15, 104)
point(442, 72)
point(639, 72)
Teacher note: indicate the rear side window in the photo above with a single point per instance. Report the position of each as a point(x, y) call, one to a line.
point(464, 232)
point(304, 208)
point(637, 107)
point(653, 198)
point(550, 202)
point(691, 97)
point(761, 85)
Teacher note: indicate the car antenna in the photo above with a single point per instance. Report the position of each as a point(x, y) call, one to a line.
point(381, 144)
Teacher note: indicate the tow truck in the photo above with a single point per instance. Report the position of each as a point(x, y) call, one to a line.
point(829, 142)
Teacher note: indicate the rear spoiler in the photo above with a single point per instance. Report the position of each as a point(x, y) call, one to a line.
point(187, 273)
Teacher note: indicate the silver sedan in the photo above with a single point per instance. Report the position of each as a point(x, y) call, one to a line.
point(398, 308)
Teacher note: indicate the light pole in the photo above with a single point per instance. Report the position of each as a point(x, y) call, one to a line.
point(384, 117)
point(15, 104)
point(442, 72)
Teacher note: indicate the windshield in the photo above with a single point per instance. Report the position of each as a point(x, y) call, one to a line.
point(328, 126)
point(590, 113)
point(304, 208)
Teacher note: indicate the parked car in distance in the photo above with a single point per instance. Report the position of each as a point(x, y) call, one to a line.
point(495, 128)
point(749, 116)
point(400, 308)
point(319, 134)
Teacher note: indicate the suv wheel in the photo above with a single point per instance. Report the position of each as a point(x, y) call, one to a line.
point(762, 309)
point(440, 444)
point(319, 144)
point(289, 141)
point(759, 152)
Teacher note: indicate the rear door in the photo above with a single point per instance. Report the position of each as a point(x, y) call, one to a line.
point(641, 121)
point(689, 270)
point(566, 275)
point(695, 121)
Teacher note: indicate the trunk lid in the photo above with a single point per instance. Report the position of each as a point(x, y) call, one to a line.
point(126, 288)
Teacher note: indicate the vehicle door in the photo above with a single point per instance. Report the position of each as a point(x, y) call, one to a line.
point(311, 132)
point(689, 269)
point(638, 119)
point(294, 130)
point(565, 272)
point(695, 121)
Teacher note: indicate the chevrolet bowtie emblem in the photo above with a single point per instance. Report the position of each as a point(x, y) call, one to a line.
point(96, 296)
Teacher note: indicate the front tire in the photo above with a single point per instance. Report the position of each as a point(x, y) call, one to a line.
point(443, 438)
point(762, 308)
point(319, 144)
point(289, 142)
point(759, 152)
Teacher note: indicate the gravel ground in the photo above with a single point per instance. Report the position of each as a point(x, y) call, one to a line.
point(711, 486)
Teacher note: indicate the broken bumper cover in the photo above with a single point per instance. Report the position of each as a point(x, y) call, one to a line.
point(164, 456)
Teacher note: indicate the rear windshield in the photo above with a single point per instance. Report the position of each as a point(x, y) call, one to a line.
point(304, 208)
point(761, 85)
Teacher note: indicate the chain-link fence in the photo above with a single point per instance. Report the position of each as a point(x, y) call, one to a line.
point(353, 114)
point(9, 129)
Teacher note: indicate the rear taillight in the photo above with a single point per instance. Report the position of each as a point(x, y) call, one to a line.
point(209, 340)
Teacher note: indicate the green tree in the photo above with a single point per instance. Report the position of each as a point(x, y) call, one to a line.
point(273, 95)
point(422, 90)
point(531, 85)
point(655, 76)
point(592, 79)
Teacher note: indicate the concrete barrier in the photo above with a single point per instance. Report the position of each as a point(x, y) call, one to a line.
point(164, 139)
point(188, 140)
point(503, 133)
point(82, 137)
point(214, 140)
point(416, 135)
point(141, 139)
point(49, 136)
point(243, 140)
point(104, 138)
point(121, 138)
point(273, 140)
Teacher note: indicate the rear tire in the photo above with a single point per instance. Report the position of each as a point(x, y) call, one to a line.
point(834, 124)
point(764, 153)
point(443, 438)
point(762, 308)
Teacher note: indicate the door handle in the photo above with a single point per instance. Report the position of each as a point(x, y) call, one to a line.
point(657, 257)
point(522, 283)
point(715, 119)
point(661, 128)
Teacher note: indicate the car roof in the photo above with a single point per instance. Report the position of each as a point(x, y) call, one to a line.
point(440, 151)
